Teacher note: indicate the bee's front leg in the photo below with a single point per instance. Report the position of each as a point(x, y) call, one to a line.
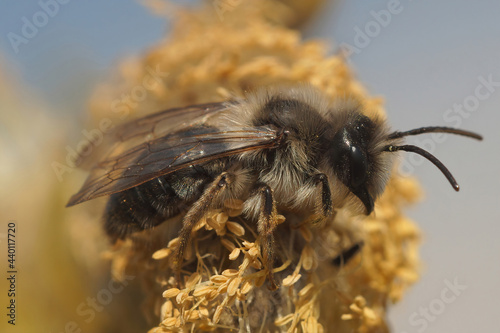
point(319, 188)
point(345, 256)
point(325, 208)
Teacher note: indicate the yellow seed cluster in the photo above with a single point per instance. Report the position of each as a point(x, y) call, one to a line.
point(207, 293)
point(223, 283)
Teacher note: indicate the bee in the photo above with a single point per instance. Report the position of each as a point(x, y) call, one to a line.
point(278, 149)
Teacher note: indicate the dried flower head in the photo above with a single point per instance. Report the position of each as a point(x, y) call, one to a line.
point(223, 283)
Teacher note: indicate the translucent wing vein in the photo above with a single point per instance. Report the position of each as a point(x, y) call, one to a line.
point(166, 154)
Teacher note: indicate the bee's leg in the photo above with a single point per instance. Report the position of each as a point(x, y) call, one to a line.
point(324, 208)
point(196, 212)
point(266, 225)
point(347, 254)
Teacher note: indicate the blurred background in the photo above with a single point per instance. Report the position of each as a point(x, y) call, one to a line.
point(434, 62)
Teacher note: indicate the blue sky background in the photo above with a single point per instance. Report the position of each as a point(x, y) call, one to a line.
point(427, 58)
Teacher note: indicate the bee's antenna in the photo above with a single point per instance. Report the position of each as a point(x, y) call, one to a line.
point(430, 157)
point(435, 129)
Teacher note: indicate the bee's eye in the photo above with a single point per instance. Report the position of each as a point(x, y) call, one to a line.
point(359, 166)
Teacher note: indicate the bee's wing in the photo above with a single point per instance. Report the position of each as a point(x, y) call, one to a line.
point(160, 156)
point(150, 127)
point(158, 124)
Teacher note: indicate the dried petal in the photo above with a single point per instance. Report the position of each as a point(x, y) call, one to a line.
point(181, 297)
point(304, 291)
point(312, 325)
point(230, 272)
point(233, 286)
point(248, 245)
point(234, 254)
point(284, 320)
point(221, 219)
point(235, 228)
point(212, 294)
point(369, 314)
point(173, 243)
point(246, 287)
point(218, 279)
point(166, 310)
point(254, 252)
point(203, 312)
point(234, 207)
point(308, 258)
point(233, 212)
point(193, 315)
point(360, 301)
point(347, 316)
point(169, 322)
point(244, 264)
point(303, 325)
point(193, 280)
point(213, 223)
point(161, 254)
point(233, 203)
point(172, 292)
point(256, 264)
point(291, 279)
point(222, 288)
point(355, 308)
point(203, 290)
point(217, 314)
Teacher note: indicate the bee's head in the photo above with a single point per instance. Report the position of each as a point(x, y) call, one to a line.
point(358, 154)
point(354, 158)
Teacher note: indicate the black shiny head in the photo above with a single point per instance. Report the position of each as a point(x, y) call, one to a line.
point(350, 159)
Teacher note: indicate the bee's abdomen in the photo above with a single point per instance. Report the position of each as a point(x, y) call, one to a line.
point(147, 205)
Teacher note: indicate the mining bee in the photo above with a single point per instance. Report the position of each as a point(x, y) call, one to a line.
point(278, 149)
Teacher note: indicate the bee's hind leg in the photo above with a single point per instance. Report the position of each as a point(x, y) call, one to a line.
point(267, 221)
point(196, 212)
point(266, 225)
